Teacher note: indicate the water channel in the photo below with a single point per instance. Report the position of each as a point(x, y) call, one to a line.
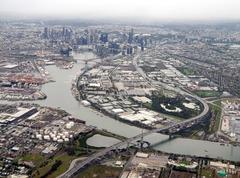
point(59, 95)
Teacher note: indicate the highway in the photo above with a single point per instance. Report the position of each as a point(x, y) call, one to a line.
point(160, 85)
point(184, 124)
point(101, 153)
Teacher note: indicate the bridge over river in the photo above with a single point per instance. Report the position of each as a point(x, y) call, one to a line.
point(170, 129)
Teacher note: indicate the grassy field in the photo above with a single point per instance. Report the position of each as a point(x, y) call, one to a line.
point(100, 171)
point(216, 109)
point(3, 117)
point(167, 105)
point(37, 159)
point(205, 94)
point(44, 168)
point(207, 173)
point(186, 71)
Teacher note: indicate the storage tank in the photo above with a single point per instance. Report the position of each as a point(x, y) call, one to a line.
point(66, 139)
point(69, 125)
point(60, 140)
point(46, 137)
point(55, 139)
point(39, 136)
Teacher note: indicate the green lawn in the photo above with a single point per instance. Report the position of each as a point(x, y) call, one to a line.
point(66, 160)
point(37, 159)
point(3, 117)
point(207, 173)
point(205, 94)
point(185, 162)
point(216, 109)
point(186, 71)
point(100, 171)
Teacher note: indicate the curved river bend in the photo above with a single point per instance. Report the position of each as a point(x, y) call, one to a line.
point(59, 95)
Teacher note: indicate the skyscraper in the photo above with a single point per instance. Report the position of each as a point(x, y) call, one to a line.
point(45, 33)
point(104, 37)
point(130, 36)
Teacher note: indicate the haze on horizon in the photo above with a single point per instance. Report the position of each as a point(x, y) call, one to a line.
point(155, 10)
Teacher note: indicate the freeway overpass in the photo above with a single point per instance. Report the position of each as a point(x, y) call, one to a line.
point(168, 129)
point(174, 128)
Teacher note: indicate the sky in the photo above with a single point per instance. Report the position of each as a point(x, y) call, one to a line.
point(133, 9)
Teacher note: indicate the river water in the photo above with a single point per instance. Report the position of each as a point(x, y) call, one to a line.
point(59, 95)
point(101, 141)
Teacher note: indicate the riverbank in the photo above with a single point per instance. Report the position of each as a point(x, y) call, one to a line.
point(60, 96)
point(21, 95)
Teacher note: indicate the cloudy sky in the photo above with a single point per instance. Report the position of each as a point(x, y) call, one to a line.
point(147, 9)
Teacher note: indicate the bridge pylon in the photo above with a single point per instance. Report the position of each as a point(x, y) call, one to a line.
point(141, 141)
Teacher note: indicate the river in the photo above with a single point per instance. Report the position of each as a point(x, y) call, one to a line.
point(59, 95)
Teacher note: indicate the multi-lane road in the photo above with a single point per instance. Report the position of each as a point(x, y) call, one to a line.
point(100, 154)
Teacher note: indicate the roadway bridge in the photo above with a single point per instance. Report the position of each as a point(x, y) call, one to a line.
point(169, 129)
